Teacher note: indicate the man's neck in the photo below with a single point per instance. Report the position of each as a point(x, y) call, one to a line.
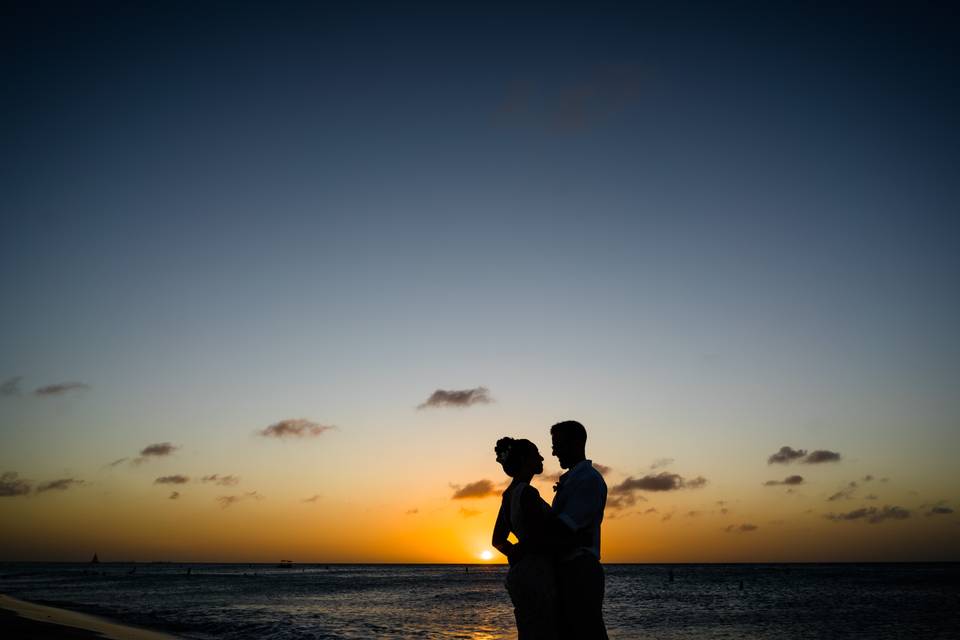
point(575, 463)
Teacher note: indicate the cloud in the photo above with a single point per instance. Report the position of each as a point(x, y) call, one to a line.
point(314, 498)
point(60, 389)
point(821, 455)
point(594, 98)
point(844, 494)
point(60, 484)
point(412, 512)
point(226, 501)
point(651, 510)
point(469, 513)
point(294, 428)
point(602, 468)
point(10, 387)
point(867, 478)
point(662, 481)
point(158, 450)
point(457, 398)
point(478, 489)
point(789, 480)
point(694, 514)
point(223, 481)
point(623, 501)
point(746, 527)
point(115, 463)
point(174, 495)
point(661, 462)
point(175, 479)
point(786, 455)
point(870, 514)
point(940, 511)
point(11, 485)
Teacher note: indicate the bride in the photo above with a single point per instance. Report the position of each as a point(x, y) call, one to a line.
point(530, 581)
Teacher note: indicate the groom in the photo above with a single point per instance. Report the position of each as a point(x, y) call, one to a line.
point(578, 505)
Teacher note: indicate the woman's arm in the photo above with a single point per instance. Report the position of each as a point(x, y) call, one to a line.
point(502, 529)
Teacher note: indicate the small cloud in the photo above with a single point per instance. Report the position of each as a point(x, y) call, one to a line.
point(659, 463)
point(314, 498)
point(746, 527)
point(175, 479)
point(821, 455)
point(789, 480)
point(227, 501)
point(294, 428)
point(174, 495)
point(10, 387)
point(412, 512)
point(11, 485)
point(651, 510)
point(469, 513)
point(694, 514)
point(844, 494)
point(786, 455)
point(60, 389)
point(666, 516)
point(601, 468)
point(158, 450)
point(223, 481)
point(457, 398)
point(615, 502)
point(940, 511)
point(662, 481)
point(61, 484)
point(115, 463)
point(867, 478)
point(870, 514)
point(478, 489)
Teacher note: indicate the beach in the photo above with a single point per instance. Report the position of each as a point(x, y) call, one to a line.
point(22, 619)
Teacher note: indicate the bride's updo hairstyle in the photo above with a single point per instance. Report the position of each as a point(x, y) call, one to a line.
point(511, 453)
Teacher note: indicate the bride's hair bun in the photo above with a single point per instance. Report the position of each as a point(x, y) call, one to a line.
point(503, 449)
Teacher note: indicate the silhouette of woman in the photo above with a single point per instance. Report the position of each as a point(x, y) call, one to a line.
point(530, 582)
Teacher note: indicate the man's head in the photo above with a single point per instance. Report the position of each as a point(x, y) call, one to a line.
point(569, 442)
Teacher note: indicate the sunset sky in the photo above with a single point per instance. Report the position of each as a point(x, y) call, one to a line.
point(243, 245)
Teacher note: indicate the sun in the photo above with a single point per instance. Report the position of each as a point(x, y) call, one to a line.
point(486, 555)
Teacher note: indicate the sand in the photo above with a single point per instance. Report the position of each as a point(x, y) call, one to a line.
point(20, 619)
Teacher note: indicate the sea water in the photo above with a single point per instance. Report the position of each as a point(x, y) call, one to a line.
point(205, 601)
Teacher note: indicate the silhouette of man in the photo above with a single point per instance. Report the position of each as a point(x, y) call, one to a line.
point(578, 505)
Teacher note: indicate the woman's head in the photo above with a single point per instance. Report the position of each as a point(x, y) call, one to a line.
point(519, 457)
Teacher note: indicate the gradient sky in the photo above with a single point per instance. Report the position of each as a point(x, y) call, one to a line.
point(707, 233)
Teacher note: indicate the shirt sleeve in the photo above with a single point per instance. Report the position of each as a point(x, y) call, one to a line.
point(585, 503)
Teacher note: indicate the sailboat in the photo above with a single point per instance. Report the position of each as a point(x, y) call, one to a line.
point(95, 559)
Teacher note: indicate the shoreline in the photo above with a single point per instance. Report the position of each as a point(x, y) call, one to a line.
point(22, 619)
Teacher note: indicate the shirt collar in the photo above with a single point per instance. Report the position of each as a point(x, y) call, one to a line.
point(574, 470)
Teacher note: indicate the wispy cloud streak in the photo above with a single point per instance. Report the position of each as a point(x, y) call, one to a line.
point(457, 398)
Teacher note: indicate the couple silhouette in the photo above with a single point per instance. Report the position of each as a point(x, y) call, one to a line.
point(555, 579)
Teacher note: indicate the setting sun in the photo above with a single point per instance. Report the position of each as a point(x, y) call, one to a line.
point(486, 555)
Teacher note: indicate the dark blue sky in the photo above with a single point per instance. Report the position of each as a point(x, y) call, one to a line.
point(614, 193)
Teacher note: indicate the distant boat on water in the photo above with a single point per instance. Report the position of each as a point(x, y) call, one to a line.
point(95, 559)
point(286, 564)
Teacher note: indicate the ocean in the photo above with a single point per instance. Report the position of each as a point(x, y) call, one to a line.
point(709, 601)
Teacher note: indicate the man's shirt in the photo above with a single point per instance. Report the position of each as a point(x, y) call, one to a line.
point(579, 502)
